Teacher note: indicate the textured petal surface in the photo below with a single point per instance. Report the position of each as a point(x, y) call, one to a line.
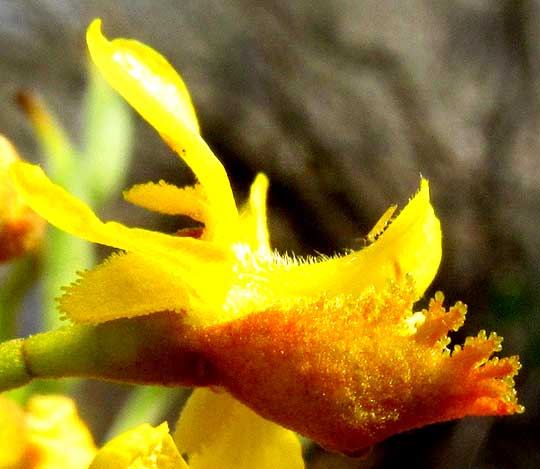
point(124, 286)
point(152, 86)
point(144, 447)
point(410, 246)
point(217, 431)
point(351, 371)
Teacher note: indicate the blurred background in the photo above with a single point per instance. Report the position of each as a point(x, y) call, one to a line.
point(343, 104)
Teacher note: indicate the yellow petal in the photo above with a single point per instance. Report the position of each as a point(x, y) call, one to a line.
point(253, 222)
point(411, 246)
point(58, 438)
point(130, 285)
point(144, 447)
point(217, 431)
point(71, 215)
point(124, 286)
point(151, 85)
point(205, 267)
point(170, 199)
point(138, 69)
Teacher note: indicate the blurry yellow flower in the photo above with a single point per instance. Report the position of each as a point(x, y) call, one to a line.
point(214, 432)
point(330, 347)
point(13, 434)
point(48, 434)
point(144, 447)
point(21, 229)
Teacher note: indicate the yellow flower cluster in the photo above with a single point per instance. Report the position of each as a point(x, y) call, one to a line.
point(331, 348)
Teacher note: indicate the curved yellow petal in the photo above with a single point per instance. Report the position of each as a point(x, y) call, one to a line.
point(217, 431)
point(253, 221)
point(124, 286)
point(170, 199)
point(139, 69)
point(151, 85)
point(204, 267)
point(410, 246)
point(144, 447)
point(73, 216)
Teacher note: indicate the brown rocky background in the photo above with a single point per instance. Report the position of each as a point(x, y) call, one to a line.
point(344, 104)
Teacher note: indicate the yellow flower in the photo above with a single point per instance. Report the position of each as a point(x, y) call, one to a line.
point(21, 229)
point(48, 434)
point(214, 431)
point(329, 347)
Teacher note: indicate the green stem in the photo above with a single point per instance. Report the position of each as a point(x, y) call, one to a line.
point(108, 139)
point(154, 349)
point(54, 142)
point(21, 277)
